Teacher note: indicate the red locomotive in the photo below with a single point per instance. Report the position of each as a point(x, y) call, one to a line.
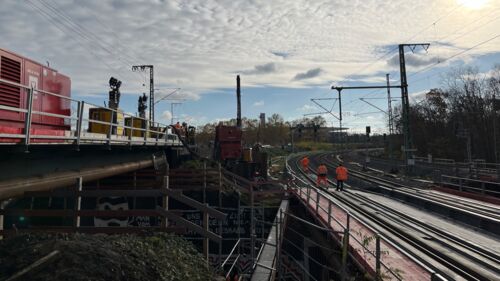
point(21, 70)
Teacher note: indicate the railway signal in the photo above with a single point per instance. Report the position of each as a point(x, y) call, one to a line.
point(151, 88)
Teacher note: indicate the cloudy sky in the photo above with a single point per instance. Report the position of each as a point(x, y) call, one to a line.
point(287, 52)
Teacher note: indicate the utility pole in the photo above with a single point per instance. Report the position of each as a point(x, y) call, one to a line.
point(151, 88)
point(340, 122)
point(408, 145)
point(339, 117)
point(238, 102)
point(391, 119)
point(409, 161)
point(389, 106)
point(339, 89)
point(496, 106)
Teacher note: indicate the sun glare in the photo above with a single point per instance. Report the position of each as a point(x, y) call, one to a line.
point(473, 4)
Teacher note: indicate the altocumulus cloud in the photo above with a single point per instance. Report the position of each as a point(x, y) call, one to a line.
point(315, 72)
point(415, 60)
point(262, 69)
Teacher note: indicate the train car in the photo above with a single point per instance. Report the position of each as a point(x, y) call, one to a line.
point(21, 70)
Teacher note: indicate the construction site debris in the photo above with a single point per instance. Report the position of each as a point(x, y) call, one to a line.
point(101, 257)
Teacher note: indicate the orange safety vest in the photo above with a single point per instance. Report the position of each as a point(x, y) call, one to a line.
point(341, 173)
point(305, 162)
point(322, 170)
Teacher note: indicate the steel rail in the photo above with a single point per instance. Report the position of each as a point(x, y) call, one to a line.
point(443, 258)
point(389, 270)
point(408, 220)
point(427, 265)
point(487, 211)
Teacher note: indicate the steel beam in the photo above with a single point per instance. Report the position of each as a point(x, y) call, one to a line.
point(17, 187)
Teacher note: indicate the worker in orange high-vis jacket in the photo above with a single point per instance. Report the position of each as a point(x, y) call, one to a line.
point(322, 172)
point(305, 164)
point(341, 172)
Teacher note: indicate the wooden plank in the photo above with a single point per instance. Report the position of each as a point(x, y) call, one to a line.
point(177, 195)
point(37, 265)
point(189, 225)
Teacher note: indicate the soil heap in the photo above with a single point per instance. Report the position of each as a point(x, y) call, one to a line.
point(102, 257)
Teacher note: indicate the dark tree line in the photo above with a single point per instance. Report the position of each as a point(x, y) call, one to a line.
point(465, 107)
point(275, 132)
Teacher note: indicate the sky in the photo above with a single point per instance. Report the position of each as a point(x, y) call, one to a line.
point(286, 52)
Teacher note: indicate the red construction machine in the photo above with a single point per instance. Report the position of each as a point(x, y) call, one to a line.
point(228, 147)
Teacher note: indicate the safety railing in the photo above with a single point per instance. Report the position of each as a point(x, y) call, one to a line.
point(233, 264)
point(151, 133)
point(476, 166)
point(464, 184)
point(372, 248)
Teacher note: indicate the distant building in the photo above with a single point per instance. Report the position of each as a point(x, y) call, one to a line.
point(262, 120)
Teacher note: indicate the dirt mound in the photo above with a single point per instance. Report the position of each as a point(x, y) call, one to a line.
point(102, 257)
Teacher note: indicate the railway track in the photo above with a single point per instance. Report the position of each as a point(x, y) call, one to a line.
point(451, 256)
point(489, 213)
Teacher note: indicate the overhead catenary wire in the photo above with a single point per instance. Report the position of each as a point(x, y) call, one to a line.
point(89, 35)
point(99, 20)
point(433, 24)
point(366, 67)
point(57, 25)
point(462, 52)
point(453, 56)
point(62, 22)
point(456, 55)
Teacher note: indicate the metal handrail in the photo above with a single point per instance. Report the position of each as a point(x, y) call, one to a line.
point(232, 266)
point(230, 253)
point(473, 180)
point(358, 241)
point(349, 215)
point(151, 127)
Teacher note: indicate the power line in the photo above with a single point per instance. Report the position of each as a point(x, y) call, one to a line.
point(460, 53)
point(54, 22)
point(88, 34)
point(433, 24)
point(101, 23)
point(456, 55)
point(446, 59)
point(364, 68)
point(75, 28)
point(480, 18)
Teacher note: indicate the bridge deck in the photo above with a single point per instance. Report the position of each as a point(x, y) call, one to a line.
point(53, 137)
point(74, 126)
